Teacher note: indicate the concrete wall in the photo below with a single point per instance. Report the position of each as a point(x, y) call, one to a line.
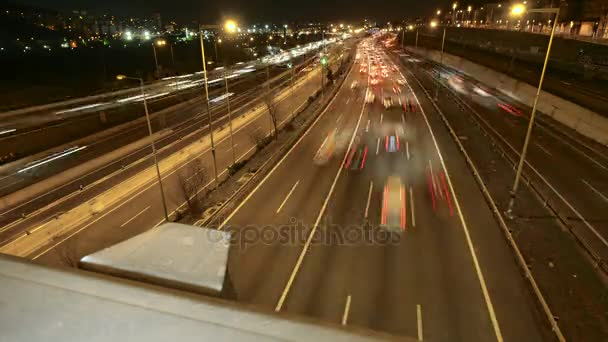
point(568, 55)
point(582, 120)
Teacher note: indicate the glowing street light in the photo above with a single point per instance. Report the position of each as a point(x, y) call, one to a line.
point(454, 5)
point(469, 8)
point(433, 23)
point(518, 9)
point(230, 26)
point(438, 12)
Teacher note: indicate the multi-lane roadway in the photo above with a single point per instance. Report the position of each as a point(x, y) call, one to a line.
point(328, 234)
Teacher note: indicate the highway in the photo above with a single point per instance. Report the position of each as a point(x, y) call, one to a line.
point(140, 209)
point(570, 170)
point(372, 219)
point(558, 217)
point(310, 239)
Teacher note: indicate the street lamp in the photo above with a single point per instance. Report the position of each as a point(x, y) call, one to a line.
point(433, 25)
point(438, 12)
point(230, 26)
point(159, 43)
point(517, 10)
point(160, 183)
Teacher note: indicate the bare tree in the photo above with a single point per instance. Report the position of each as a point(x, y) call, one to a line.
point(271, 106)
point(191, 181)
point(258, 138)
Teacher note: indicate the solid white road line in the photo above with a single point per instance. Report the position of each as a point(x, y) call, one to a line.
point(378, 146)
point(287, 197)
point(412, 207)
point(369, 197)
point(134, 217)
point(230, 148)
point(367, 127)
point(482, 281)
point(543, 149)
point(604, 197)
point(152, 184)
point(321, 212)
point(221, 226)
point(419, 319)
point(346, 311)
point(381, 116)
point(407, 150)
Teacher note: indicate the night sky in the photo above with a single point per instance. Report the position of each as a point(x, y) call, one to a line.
point(250, 11)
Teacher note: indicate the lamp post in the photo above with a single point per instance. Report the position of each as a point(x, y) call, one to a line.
point(159, 43)
point(152, 143)
point(454, 7)
point(433, 25)
point(230, 26)
point(516, 11)
point(229, 116)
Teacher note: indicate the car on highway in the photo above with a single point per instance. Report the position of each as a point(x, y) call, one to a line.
point(354, 85)
point(510, 109)
point(391, 143)
point(393, 205)
point(387, 102)
point(401, 81)
point(370, 97)
point(374, 81)
point(356, 158)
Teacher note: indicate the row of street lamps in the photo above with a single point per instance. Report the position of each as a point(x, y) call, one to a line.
point(516, 10)
point(229, 26)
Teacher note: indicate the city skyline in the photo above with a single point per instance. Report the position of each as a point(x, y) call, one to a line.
point(246, 11)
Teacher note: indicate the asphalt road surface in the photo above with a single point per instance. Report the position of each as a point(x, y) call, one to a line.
point(571, 170)
point(310, 239)
point(372, 219)
point(142, 210)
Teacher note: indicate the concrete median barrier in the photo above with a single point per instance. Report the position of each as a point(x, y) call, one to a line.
point(584, 121)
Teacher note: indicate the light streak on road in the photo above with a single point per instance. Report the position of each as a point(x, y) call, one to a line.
point(7, 131)
point(221, 98)
point(94, 105)
point(52, 158)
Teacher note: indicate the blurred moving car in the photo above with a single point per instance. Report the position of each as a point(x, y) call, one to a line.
point(387, 102)
point(369, 97)
point(393, 205)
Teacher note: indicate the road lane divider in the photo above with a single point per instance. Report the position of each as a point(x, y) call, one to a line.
point(134, 217)
point(480, 276)
point(369, 198)
point(412, 207)
point(419, 321)
point(287, 197)
point(346, 311)
point(298, 264)
point(551, 318)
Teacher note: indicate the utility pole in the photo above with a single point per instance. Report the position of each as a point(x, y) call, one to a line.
point(229, 117)
point(440, 66)
point(209, 110)
point(524, 151)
